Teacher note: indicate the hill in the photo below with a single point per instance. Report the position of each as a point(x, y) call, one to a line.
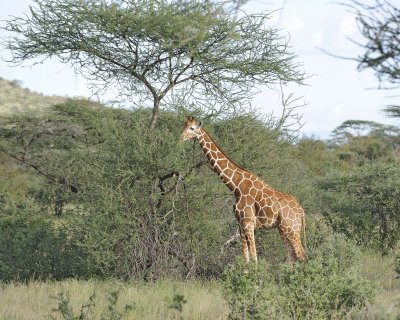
point(16, 99)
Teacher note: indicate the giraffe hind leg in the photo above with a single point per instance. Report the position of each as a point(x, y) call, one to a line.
point(293, 245)
point(298, 253)
point(288, 247)
point(290, 254)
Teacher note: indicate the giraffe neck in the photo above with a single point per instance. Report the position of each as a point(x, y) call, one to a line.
point(227, 170)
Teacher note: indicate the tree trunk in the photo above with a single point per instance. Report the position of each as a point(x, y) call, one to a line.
point(156, 110)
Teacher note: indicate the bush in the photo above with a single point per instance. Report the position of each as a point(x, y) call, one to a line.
point(249, 291)
point(327, 286)
point(31, 248)
point(397, 265)
point(364, 204)
point(120, 183)
point(312, 290)
point(320, 290)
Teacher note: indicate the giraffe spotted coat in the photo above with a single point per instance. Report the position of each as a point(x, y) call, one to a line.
point(258, 206)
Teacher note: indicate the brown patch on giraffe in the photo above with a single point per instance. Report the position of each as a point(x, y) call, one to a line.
point(245, 185)
point(228, 172)
point(231, 166)
point(280, 195)
point(259, 195)
point(282, 201)
point(257, 184)
point(240, 203)
point(237, 178)
point(220, 155)
point(266, 192)
point(253, 192)
point(222, 164)
point(213, 147)
point(249, 201)
point(247, 175)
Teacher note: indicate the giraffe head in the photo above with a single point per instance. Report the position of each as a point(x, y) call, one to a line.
point(191, 129)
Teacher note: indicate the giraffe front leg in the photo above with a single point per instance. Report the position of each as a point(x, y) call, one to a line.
point(251, 241)
point(245, 217)
point(245, 247)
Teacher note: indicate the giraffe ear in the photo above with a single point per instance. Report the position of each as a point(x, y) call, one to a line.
point(200, 125)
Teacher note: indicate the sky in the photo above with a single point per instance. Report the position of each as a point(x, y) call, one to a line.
point(334, 92)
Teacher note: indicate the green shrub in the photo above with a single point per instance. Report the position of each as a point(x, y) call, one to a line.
point(32, 248)
point(320, 290)
point(64, 308)
point(327, 286)
point(397, 265)
point(249, 291)
point(312, 290)
point(110, 311)
point(364, 204)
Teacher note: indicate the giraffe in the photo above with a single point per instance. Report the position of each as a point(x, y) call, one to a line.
point(257, 206)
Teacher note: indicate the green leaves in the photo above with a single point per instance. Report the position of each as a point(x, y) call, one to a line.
point(366, 204)
point(378, 22)
point(199, 48)
point(328, 286)
point(317, 289)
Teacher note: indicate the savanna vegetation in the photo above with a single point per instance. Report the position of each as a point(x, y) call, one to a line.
point(105, 215)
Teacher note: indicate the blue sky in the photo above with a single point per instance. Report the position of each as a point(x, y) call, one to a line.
point(335, 92)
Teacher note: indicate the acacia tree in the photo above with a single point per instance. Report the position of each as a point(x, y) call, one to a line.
point(392, 111)
point(196, 50)
point(379, 24)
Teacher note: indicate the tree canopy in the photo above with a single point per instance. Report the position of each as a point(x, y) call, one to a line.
point(186, 51)
point(379, 24)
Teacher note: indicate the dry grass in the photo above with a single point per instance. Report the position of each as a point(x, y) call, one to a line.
point(151, 301)
point(379, 269)
point(36, 300)
point(15, 99)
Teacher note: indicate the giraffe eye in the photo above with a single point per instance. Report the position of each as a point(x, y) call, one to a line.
point(191, 128)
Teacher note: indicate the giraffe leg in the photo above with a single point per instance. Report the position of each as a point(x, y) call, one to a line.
point(287, 245)
point(246, 217)
point(290, 228)
point(249, 226)
point(251, 241)
point(294, 242)
point(245, 247)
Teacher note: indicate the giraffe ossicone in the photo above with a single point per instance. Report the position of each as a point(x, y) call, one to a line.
point(258, 205)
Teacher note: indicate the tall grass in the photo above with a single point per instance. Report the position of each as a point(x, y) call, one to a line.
point(152, 301)
point(380, 269)
point(37, 300)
